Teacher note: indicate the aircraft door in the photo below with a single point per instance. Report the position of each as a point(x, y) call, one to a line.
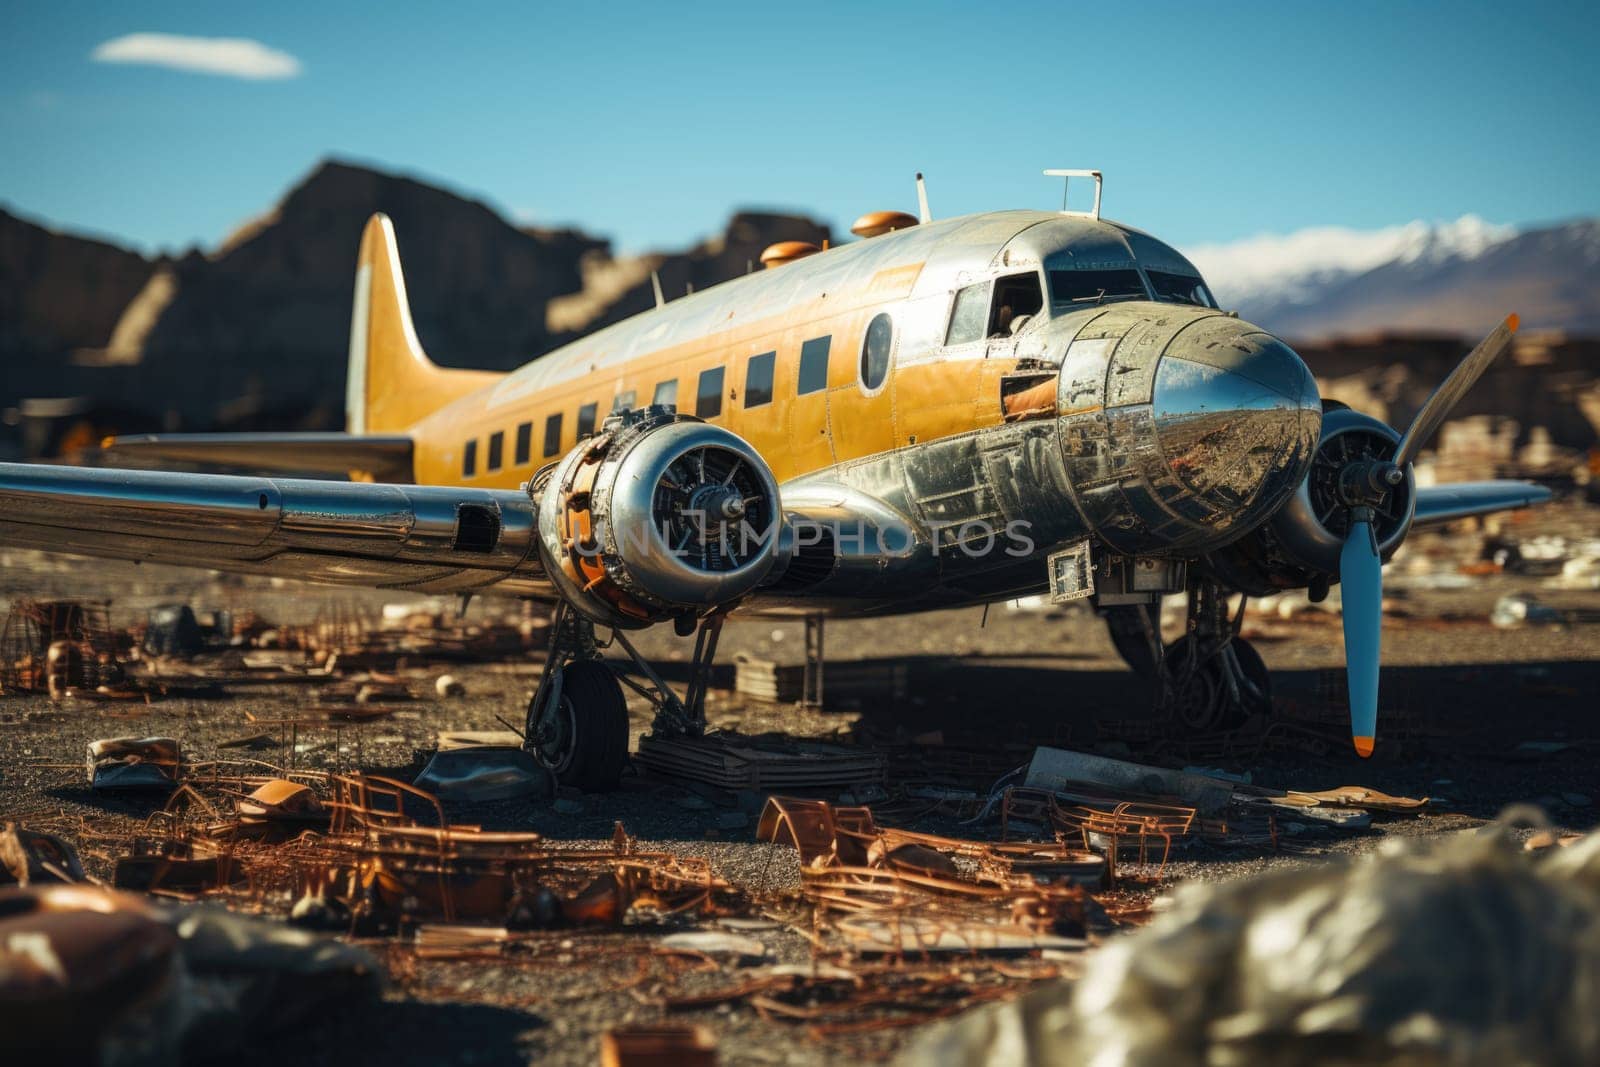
point(811, 372)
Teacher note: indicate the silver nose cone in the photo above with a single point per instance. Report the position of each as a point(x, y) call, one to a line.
point(1238, 415)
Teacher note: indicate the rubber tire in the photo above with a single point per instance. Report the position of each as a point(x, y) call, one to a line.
point(1254, 668)
point(600, 724)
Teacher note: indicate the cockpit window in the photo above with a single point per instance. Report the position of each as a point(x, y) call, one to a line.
point(1088, 287)
point(1180, 289)
point(1016, 299)
point(968, 315)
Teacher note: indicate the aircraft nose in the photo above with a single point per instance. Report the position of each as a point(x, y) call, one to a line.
point(1238, 415)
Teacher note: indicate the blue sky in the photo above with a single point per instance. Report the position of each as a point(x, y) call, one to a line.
point(650, 122)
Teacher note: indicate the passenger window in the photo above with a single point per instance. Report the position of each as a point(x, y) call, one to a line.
point(497, 448)
point(586, 420)
point(469, 459)
point(708, 398)
point(968, 316)
point(1016, 300)
point(524, 443)
point(875, 351)
point(814, 365)
point(758, 379)
point(623, 401)
point(666, 393)
point(552, 435)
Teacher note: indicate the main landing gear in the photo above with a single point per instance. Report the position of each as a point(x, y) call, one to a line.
point(1210, 678)
point(578, 718)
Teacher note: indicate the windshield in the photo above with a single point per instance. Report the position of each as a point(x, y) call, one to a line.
point(1180, 289)
point(1078, 287)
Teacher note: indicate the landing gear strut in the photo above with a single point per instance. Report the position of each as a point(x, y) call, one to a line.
point(578, 717)
point(1210, 678)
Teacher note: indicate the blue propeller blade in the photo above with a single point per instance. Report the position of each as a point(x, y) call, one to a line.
point(1361, 586)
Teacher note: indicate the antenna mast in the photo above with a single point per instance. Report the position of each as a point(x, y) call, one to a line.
point(1066, 176)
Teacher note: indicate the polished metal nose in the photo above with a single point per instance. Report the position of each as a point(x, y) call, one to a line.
point(1238, 415)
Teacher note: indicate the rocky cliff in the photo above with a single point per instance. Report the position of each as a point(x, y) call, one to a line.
point(59, 292)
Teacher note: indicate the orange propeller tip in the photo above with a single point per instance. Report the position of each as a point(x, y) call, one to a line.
point(1363, 746)
point(1512, 321)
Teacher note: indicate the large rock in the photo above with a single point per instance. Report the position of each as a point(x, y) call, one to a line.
point(59, 292)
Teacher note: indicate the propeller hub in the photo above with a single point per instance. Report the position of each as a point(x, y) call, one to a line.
point(1366, 482)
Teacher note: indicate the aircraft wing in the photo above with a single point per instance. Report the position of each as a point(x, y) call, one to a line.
point(428, 538)
point(387, 457)
point(1446, 503)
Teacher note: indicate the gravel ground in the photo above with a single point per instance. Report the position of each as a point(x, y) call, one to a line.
point(987, 688)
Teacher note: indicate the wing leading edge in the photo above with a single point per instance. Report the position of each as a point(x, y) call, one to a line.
point(428, 538)
point(1446, 503)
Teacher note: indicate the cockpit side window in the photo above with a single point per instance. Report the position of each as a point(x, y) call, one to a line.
point(1180, 289)
point(1080, 288)
point(1017, 298)
point(968, 315)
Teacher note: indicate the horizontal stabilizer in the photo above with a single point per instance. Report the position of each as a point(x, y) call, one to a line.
point(383, 457)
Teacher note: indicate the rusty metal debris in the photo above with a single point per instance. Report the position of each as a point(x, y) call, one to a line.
point(380, 854)
point(901, 893)
point(1101, 822)
point(762, 764)
point(63, 647)
point(130, 763)
point(658, 1046)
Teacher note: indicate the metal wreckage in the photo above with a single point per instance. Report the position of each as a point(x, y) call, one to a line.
point(338, 882)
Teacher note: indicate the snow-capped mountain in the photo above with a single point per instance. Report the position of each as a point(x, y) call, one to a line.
point(1459, 277)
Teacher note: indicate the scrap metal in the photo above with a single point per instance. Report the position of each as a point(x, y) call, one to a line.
point(762, 764)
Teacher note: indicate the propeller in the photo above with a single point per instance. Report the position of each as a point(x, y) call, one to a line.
point(1363, 484)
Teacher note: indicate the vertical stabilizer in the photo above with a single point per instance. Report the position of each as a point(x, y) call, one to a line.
point(391, 383)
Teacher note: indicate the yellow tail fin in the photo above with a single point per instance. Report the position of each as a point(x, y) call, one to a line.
point(391, 383)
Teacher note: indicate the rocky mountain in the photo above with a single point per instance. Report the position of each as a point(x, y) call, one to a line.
point(59, 292)
point(253, 334)
point(1459, 278)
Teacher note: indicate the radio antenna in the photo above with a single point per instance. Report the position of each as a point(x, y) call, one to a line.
point(922, 198)
point(1066, 177)
point(655, 283)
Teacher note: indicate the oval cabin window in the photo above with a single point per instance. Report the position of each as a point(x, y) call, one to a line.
point(875, 352)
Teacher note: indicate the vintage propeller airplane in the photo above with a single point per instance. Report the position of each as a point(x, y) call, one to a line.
point(945, 412)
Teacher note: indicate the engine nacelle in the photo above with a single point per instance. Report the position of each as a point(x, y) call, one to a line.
point(659, 516)
point(1300, 544)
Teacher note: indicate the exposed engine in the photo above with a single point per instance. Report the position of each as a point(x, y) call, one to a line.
point(659, 516)
point(1300, 545)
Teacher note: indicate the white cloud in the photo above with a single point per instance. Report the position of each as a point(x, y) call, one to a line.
point(1287, 265)
point(232, 57)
